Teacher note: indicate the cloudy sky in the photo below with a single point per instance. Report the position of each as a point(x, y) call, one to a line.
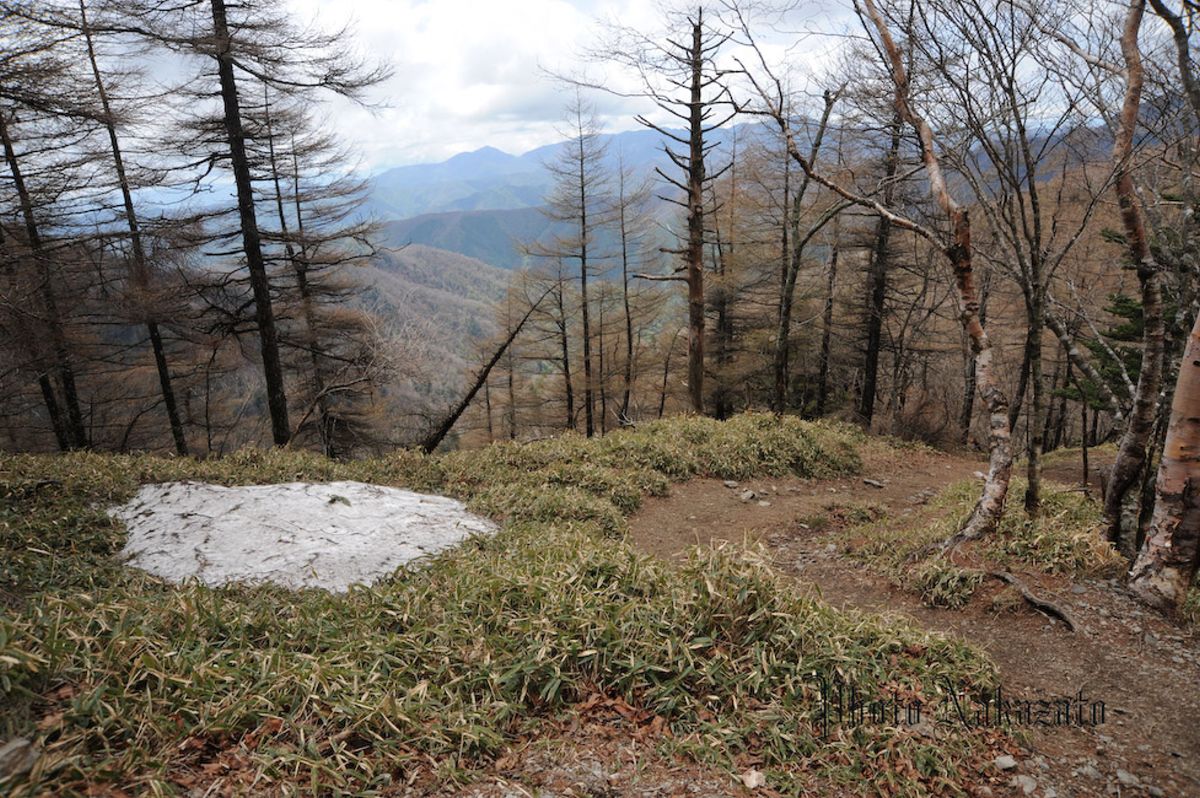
point(470, 73)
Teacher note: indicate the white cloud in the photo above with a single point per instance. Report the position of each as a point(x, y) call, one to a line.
point(467, 73)
point(470, 73)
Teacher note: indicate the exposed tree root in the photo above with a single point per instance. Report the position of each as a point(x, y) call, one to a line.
point(1041, 605)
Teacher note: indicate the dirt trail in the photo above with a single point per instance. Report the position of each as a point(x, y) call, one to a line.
point(1145, 669)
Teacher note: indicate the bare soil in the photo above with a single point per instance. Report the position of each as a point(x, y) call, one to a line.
point(1145, 668)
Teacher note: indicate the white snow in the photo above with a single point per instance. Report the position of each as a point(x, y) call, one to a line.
point(328, 535)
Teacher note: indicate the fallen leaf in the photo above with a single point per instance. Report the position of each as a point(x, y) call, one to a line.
point(50, 721)
point(753, 779)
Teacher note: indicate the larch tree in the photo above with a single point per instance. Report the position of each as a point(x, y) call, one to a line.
point(245, 47)
point(686, 83)
point(630, 215)
point(141, 268)
point(802, 221)
point(44, 126)
point(579, 203)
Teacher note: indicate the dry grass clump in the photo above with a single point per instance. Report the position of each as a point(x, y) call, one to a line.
point(125, 681)
point(1063, 538)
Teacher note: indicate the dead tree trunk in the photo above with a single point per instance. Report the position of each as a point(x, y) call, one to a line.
point(251, 240)
point(436, 437)
point(690, 70)
point(695, 219)
point(1083, 364)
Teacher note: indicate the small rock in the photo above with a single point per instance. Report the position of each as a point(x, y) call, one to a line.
point(1155, 792)
point(1050, 793)
point(980, 475)
point(764, 504)
point(983, 791)
point(1128, 779)
point(754, 779)
point(1089, 771)
point(874, 483)
point(924, 729)
point(1026, 784)
point(1078, 589)
point(748, 496)
point(17, 756)
point(1005, 762)
point(730, 483)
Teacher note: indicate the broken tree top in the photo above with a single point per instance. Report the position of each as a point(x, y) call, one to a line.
point(327, 535)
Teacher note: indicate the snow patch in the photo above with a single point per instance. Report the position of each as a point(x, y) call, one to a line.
point(327, 535)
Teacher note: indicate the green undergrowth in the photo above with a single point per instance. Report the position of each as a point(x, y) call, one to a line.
point(124, 681)
point(1190, 612)
point(1104, 453)
point(1062, 539)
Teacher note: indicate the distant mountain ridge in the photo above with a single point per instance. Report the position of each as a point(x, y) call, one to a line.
point(485, 203)
point(491, 236)
point(491, 179)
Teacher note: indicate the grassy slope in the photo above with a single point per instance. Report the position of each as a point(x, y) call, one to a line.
point(124, 680)
point(1064, 538)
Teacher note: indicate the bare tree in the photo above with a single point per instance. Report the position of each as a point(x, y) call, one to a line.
point(38, 96)
point(435, 438)
point(579, 202)
point(631, 217)
point(141, 268)
point(796, 237)
point(957, 250)
point(684, 80)
point(1131, 455)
